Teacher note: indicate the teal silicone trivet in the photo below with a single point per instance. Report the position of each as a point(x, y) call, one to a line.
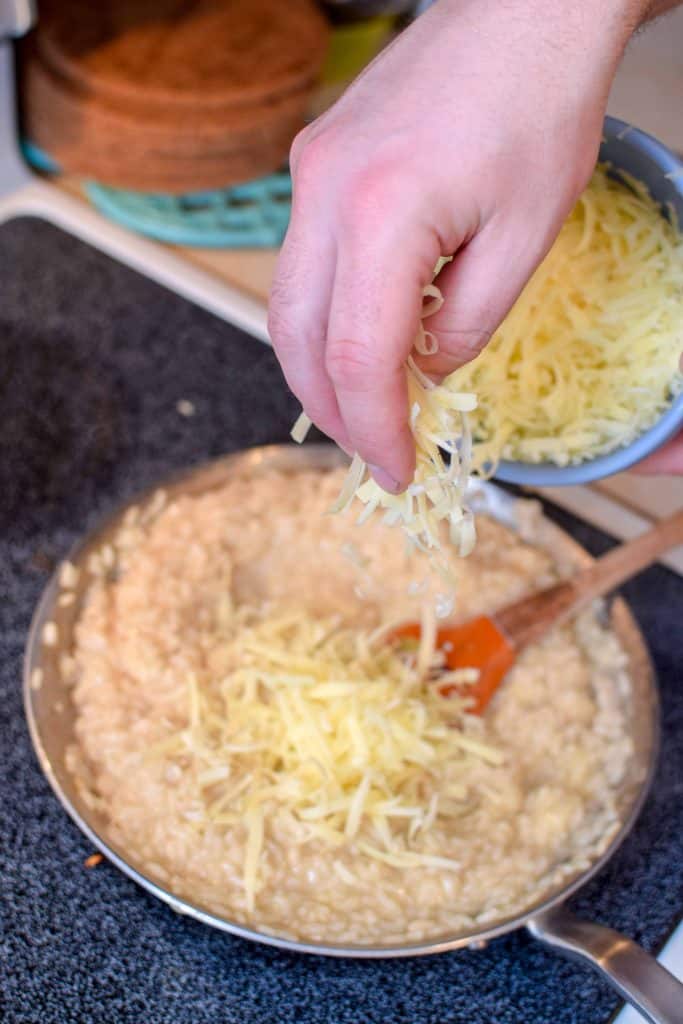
point(252, 215)
point(38, 158)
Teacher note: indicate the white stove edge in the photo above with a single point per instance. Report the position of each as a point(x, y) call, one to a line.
point(22, 194)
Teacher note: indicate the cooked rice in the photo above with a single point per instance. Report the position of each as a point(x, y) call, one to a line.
point(182, 568)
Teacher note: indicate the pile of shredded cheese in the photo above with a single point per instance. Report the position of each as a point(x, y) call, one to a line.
point(588, 357)
point(443, 456)
point(327, 734)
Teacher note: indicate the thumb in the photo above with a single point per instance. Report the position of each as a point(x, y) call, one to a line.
point(666, 460)
point(479, 287)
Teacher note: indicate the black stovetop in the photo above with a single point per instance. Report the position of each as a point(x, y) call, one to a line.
point(94, 358)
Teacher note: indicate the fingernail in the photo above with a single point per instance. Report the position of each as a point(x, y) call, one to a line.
point(385, 481)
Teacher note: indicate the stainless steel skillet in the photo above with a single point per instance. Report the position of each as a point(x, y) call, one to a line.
point(637, 976)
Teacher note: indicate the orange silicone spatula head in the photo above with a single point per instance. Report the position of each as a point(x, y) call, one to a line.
point(490, 644)
point(477, 644)
point(481, 645)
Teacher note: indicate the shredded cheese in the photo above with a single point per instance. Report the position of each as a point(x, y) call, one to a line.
point(300, 429)
point(443, 455)
point(587, 358)
point(328, 735)
point(443, 449)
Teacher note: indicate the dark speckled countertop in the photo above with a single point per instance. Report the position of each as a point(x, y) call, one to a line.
point(93, 361)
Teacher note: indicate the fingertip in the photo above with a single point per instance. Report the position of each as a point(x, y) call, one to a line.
point(395, 472)
point(385, 480)
point(666, 461)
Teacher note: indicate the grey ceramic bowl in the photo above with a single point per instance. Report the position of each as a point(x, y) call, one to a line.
point(628, 149)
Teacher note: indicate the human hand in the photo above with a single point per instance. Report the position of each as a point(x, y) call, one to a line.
point(669, 458)
point(666, 460)
point(473, 133)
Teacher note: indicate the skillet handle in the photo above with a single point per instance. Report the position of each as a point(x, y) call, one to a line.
point(636, 975)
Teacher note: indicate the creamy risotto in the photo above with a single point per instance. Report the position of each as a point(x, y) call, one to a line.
point(443, 831)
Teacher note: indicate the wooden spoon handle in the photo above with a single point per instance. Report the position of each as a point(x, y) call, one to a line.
point(527, 620)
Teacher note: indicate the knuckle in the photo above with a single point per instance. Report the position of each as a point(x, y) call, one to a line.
point(464, 344)
point(309, 158)
point(368, 187)
point(350, 363)
point(296, 149)
point(368, 196)
point(298, 143)
point(291, 334)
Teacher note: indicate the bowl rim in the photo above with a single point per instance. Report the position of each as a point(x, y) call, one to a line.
point(549, 474)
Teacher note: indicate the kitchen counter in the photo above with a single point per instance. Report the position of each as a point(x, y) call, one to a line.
point(95, 358)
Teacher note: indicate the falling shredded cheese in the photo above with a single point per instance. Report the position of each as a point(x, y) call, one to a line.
point(443, 447)
point(300, 429)
point(587, 359)
point(443, 455)
point(321, 731)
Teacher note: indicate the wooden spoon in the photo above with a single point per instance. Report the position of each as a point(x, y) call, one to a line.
point(491, 643)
